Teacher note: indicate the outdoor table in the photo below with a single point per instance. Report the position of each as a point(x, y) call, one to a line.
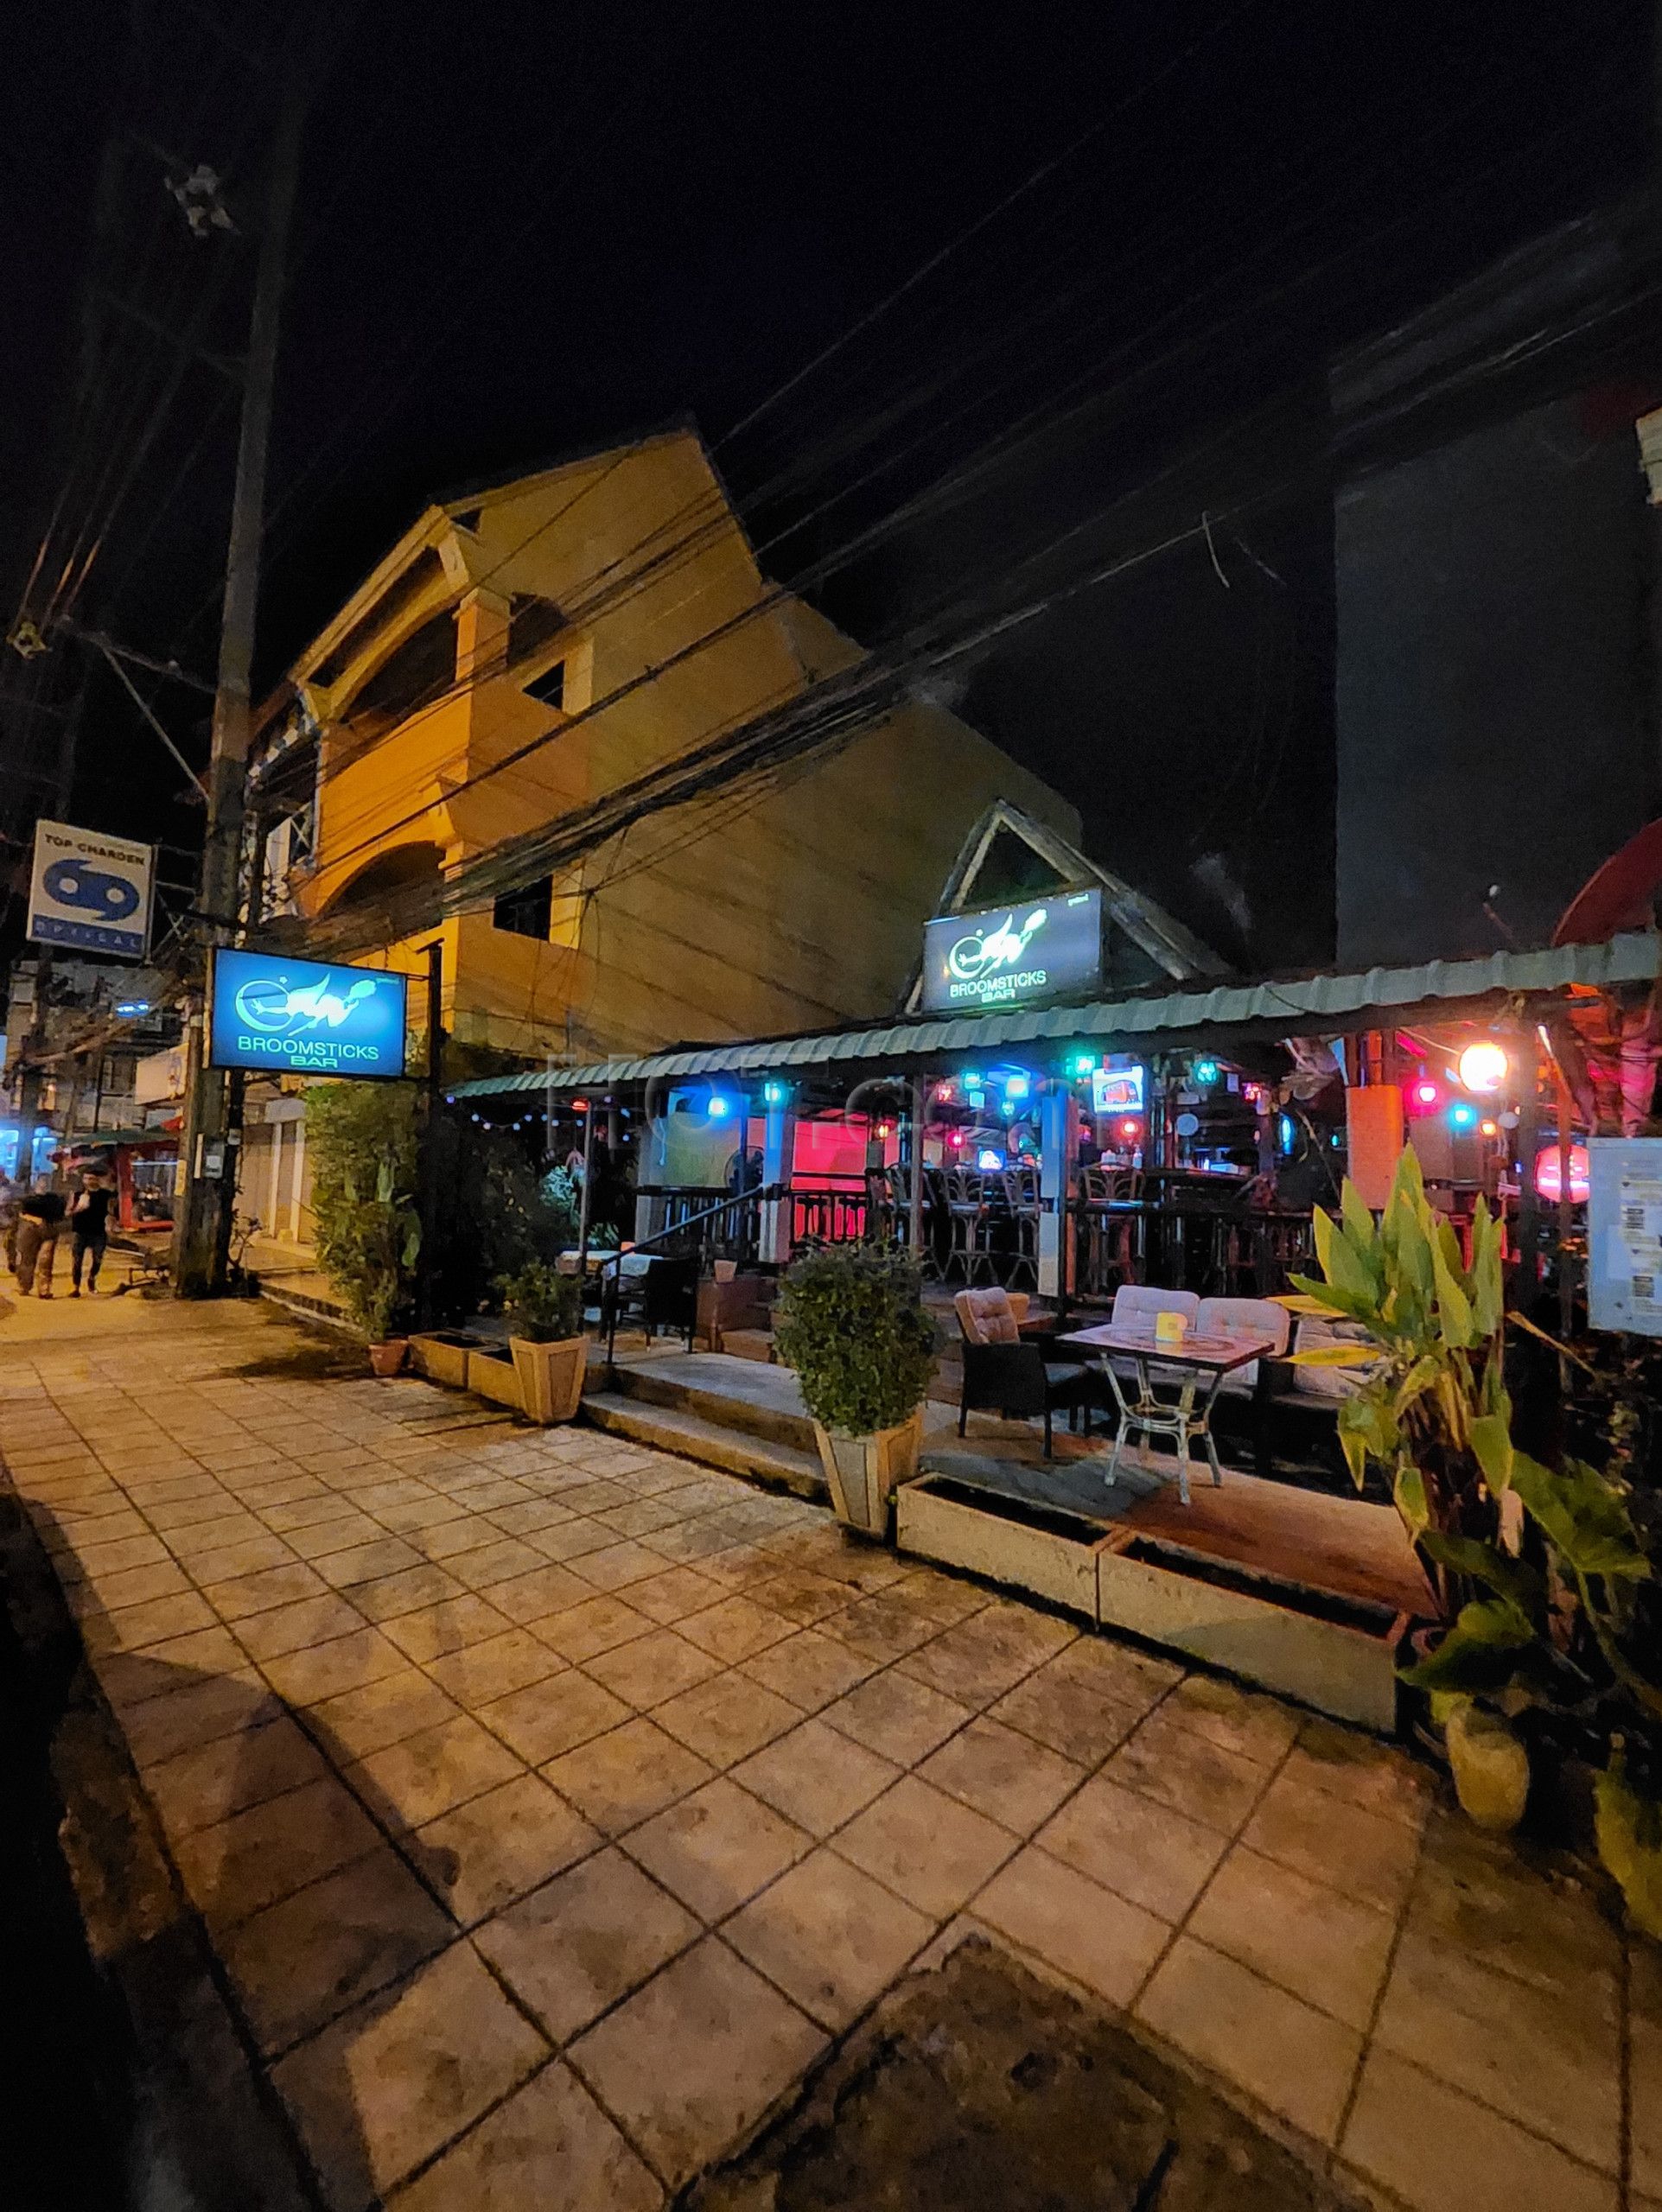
point(1201, 1361)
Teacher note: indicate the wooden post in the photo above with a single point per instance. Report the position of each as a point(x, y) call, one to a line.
point(1527, 1279)
point(1566, 1266)
point(914, 1217)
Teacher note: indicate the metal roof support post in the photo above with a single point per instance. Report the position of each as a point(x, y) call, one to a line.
point(914, 1215)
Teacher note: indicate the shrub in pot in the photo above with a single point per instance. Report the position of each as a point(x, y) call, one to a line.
point(851, 1324)
point(1551, 1621)
point(362, 1140)
point(544, 1314)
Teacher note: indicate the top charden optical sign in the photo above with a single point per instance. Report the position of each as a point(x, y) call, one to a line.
point(91, 892)
point(305, 1017)
point(1009, 956)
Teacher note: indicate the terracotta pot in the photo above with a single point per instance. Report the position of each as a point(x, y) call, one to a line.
point(551, 1377)
point(863, 1473)
point(388, 1357)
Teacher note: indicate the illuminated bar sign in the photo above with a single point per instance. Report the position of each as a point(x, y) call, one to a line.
point(1012, 955)
point(303, 1017)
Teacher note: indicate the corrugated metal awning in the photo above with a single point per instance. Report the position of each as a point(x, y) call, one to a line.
point(1305, 1005)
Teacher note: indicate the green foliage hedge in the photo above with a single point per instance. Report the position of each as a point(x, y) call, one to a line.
point(851, 1323)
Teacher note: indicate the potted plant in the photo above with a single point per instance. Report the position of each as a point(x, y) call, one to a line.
point(1550, 1621)
point(362, 1137)
point(544, 1311)
point(852, 1325)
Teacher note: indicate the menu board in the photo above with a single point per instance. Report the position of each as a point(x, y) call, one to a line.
point(1624, 1224)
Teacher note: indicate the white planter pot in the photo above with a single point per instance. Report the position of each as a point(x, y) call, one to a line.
point(864, 1471)
point(1490, 1767)
point(551, 1377)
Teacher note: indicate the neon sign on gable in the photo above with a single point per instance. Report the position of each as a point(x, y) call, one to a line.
point(303, 1017)
point(1010, 954)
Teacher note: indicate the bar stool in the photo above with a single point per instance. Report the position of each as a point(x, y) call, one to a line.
point(1022, 1197)
point(970, 1227)
point(1111, 1239)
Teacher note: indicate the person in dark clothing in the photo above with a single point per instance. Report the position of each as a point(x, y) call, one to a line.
point(89, 1220)
point(39, 1218)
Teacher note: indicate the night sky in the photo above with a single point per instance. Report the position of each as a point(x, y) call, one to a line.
point(525, 229)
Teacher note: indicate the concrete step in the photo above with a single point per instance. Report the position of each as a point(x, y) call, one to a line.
point(712, 1443)
point(742, 1395)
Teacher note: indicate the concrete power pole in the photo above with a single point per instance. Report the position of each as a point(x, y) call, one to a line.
point(202, 1233)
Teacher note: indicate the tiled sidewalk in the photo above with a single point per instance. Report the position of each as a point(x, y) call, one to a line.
point(552, 1803)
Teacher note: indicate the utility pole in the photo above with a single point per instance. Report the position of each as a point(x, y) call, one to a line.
point(201, 1236)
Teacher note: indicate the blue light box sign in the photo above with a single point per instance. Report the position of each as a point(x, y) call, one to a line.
point(304, 1017)
point(1012, 955)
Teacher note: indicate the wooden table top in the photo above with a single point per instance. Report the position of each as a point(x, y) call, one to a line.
point(1217, 1353)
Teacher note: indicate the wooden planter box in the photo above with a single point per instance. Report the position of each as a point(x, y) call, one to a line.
point(441, 1356)
point(551, 1377)
point(491, 1374)
point(1335, 1653)
point(863, 1473)
point(1045, 1551)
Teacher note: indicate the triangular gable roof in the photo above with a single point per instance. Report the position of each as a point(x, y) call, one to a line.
point(1173, 948)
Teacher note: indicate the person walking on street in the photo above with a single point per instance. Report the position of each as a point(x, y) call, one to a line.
point(40, 1219)
point(89, 1226)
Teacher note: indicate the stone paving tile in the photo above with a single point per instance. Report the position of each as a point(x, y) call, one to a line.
point(816, 1778)
point(1067, 1715)
point(902, 1720)
point(1328, 1949)
point(1157, 1859)
point(1296, 2060)
point(576, 1945)
point(651, 1668)
point(1366, 1854)
point(201, 1709)
point(1440, 2151)
point(1003, 1774)
point(696, 2057)
point(550, 2146)
point(297, 1627)
point(553, 1716)
point(1073, 1924)
point(379, 2091)
point(347, 1664)
point(496, 1668)
point(829, 1936)
point(483, 1854)
point(808, 1668)
point(537, 1590)
point(726, 1718)
point(432, 1630)
point(239, 1864)
point(926, 1846)
point(627, 1775)
point(303, 1960)
point(262, 1590)
point(716, 1849)
point(195, 1787)
point(1238, 1721)
point(413, 1781)
point(412, 1590)
point(382, 1712)
point(1547, 2059)
point(1377, 1777)
point(733, 1630)
point(670, 1597)
point(1176, 1767)
point(593, 1626)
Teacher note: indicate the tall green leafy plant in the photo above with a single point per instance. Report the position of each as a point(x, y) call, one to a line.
point(363, 1144)
point(1546, 1584)
point(851, 1323)
point(1433, 1409)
